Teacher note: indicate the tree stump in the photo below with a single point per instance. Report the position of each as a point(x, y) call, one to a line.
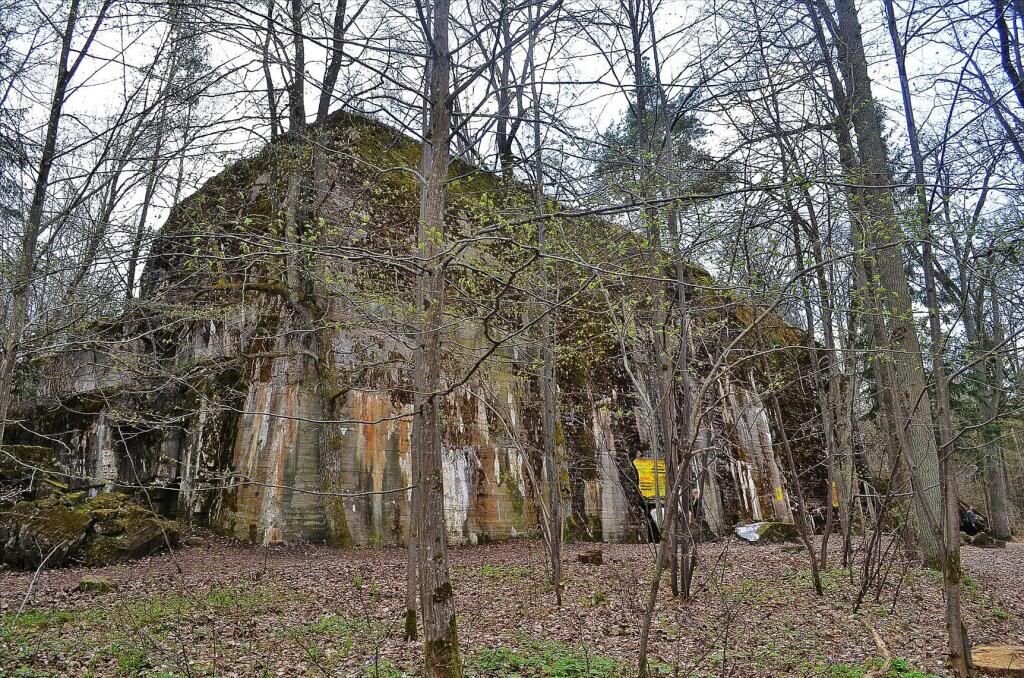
point(999, 660)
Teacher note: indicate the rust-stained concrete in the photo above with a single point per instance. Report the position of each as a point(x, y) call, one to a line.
point(278, 427)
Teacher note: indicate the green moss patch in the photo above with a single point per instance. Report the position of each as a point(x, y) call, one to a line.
point(548, 659)
point(70, 529)
point(897, 668)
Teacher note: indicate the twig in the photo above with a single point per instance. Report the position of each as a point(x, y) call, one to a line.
point(882, 650)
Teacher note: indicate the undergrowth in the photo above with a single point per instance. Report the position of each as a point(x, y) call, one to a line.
point(898, 668)
point(549, 659)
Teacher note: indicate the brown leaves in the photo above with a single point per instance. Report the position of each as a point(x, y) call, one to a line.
point(313, 610)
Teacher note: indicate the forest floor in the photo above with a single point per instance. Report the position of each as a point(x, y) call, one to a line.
point(223, 608)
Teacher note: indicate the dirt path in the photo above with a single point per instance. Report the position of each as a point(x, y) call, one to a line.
point(999, 572)
point(309, 610)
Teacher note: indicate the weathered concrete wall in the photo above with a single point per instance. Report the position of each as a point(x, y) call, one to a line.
point(486, 494)
point(276, 423)
point(277, 465)
point(756, 464)
point(276, 458)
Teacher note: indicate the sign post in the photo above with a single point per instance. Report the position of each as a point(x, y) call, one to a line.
point(652, 477)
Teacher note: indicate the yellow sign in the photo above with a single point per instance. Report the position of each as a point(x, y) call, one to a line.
point(652, 477)
point(778, 494)
point(835, 495)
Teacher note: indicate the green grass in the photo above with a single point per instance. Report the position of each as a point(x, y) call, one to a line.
point(162, 609)
point(383, 669)
point(832, 578)
point(131, 659)
point(31, 621)
point(118, 634)
point(334, 626)
point(969, 585)
point(898, 668)
point(26, 672)
point(901, 668)
point(154, 610)
point(332, 637)
point(549, 659)
point(238, 598)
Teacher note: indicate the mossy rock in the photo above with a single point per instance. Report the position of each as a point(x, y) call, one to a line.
point(103, 530)
point(133, 534)
point(44, 533)
point(777, 533)
point(983, 540)
point(96, 584)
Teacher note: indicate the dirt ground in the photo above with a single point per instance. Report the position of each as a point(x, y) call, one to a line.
point(224, 608)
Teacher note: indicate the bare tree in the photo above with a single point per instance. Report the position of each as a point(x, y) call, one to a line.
point(68, 63)
point(437, 599)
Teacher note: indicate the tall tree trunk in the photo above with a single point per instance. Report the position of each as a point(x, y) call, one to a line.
point(902, 369)
point(437, 600)
point(959, 646)
point(1008, 49)
point(865, 316)
point(650, 145)
point(334, 60)
point(840, 390)
point(995, 465)
point(503, 136)
point(412, 572)
point(268, 77)
point(682, 449)
point(552, 469)
point(293, 207)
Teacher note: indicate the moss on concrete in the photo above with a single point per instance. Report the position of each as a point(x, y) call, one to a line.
point(71, 529)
